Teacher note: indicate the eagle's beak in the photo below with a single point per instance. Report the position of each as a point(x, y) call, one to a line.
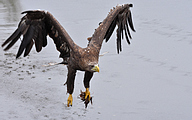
point(95, 68)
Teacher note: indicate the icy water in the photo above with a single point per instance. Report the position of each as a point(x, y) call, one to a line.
point(150, 80)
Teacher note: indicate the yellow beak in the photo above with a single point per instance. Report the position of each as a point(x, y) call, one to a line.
point(95, 68)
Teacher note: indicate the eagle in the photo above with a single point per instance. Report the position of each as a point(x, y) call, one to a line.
point(36, 25)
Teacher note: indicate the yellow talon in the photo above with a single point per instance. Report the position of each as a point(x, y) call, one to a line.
point(85, 96)
point(87, 93)
point(69, 100)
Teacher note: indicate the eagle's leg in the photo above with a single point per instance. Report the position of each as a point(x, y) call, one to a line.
point(70, 85)
point(86, 97)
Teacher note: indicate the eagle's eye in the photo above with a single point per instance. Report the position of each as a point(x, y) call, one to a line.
point(91, 66)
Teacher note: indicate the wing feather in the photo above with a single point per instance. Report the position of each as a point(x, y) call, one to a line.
point(130, 21)
point(120, 17)
point(44, 33)
point(118, 39)
point(13, 40)
point(127, 28)
point(39, 40)
point(126, 36)
point(35, 26)
point(110, 30)
point(27, 38)
point(121, 28)
point(120, 35)
point(28, 48)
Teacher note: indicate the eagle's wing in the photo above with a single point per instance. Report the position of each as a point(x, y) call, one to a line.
point(35, 26)
point(120, 16)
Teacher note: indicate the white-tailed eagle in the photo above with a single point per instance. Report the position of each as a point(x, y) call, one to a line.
point(36, 25)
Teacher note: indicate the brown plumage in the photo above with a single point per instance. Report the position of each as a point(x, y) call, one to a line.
point(36, 25)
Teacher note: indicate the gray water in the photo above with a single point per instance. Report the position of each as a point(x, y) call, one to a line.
point(150, 80)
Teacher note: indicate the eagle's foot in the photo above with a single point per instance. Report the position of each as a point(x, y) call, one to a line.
point(69, 100)
point(85, 96)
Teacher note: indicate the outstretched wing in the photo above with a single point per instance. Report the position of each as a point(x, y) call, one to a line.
point(35, 26)
point(119, 16)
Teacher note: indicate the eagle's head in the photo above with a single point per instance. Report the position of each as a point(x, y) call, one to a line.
point(93, 67)
point(89, 60)
point(90, 66)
